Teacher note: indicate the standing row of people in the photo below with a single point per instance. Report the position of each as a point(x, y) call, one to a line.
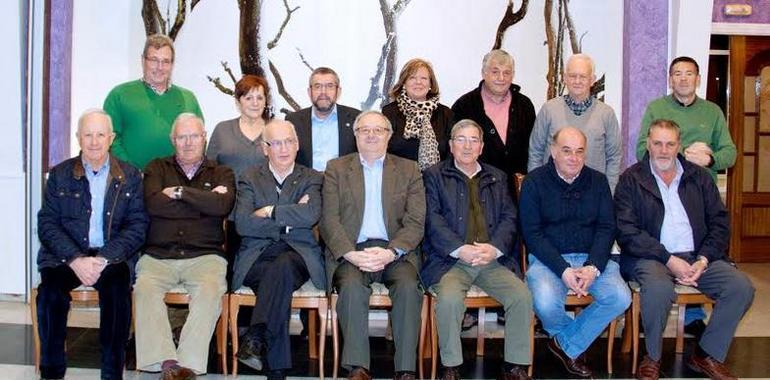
point(391, 180)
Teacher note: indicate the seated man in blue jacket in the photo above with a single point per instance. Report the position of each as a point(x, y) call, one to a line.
point(278, 204)
point(674, 229)
point(568, 223)
point(470, 231)
point(90, 226)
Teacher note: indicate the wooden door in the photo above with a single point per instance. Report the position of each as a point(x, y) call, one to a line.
point(749, 119)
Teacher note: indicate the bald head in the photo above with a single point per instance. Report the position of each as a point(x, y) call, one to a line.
point(568, 150)
point(281, 144)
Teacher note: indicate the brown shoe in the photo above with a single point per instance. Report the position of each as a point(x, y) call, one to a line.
point(709, 367)
point(404, 375)
point(648, 370)
point(177, 372)
point(515, 373)
point(451, 373)
point(359, 373)
point(573, 366)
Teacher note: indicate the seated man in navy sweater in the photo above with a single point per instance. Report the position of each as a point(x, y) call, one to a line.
point(568, 223)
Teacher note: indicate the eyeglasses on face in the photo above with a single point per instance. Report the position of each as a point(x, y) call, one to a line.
point(278, 144)
point(196, 137)
point(155, 61)
point(377, 131)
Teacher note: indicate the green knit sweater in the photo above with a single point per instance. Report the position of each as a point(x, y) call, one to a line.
point(701, 121)
point(142, 120)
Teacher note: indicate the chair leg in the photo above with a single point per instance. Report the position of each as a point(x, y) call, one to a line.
point(626, 344)
point(35, 332)
point(433, 339)
point(611, 344)
point(481, 334)
point(312, 330)
point(335, 337)
point(423, 328)
point(680, 329)
point(635, 306)
point(531, 345)
point(323, 316)
point(222, 333)
point(233, 314)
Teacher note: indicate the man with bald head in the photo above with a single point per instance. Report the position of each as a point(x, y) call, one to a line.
point(568, 223)
point(90, 226)
point(188, 197)
point(580, 109)
point(373, 219)
point(278, 204)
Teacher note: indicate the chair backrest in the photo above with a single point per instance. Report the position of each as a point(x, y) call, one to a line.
point(518, 179)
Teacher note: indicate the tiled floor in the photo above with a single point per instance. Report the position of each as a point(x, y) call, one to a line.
point(748, 354)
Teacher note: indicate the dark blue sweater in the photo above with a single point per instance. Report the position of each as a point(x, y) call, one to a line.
point(558, 218)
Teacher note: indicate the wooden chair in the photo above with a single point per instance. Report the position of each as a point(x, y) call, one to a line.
point(306, 297)
point(89, 297)
point(474, 299)
point(380, 300)
point(685, 295)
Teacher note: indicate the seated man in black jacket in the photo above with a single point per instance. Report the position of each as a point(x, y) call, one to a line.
point(90, 226)
point(674, 229)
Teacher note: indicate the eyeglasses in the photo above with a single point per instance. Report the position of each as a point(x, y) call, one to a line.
point(462, 140)
point(377, 131)
point(158, 62)
point(323, 86)
point(195, 138)
point(278, 144)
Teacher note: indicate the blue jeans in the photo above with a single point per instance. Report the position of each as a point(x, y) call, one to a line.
point(574, 335)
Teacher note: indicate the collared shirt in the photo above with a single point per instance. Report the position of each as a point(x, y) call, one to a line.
point(476, 170)
point(497, 111)
point(189, 169)
point(682, 104)
point(676, 232)
point(373, 224)
point(155, 89)
point(578, 107)
point(326, 141)
point(97, 186)
point(456, 252)
point(278, 179)
point(569, 180)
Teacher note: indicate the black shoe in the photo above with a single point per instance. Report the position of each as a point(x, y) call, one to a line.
point(573, 366)
point(276, 374)
point(250, 352)
point(451, 373)
point(695, 328)
point(469, 320)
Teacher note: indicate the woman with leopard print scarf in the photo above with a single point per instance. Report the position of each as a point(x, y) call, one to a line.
point(420, 123)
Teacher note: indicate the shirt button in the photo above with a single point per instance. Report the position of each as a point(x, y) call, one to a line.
point(108, 213)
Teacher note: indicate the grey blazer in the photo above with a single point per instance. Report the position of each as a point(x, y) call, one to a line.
point(256, 189)
point(403, 202)
point(303, 124)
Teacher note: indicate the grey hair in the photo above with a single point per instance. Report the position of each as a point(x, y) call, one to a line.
point(584, 57)
point(372, 112)
point(186, 116)
point(275, 122)
point(497, 56)
point(466, 123)
point(323, 71)
point(94, 111)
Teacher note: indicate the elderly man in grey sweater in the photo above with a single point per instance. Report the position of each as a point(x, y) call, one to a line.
point(579, 109)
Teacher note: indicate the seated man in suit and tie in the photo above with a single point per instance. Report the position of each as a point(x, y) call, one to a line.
point(278, 204)
point(373, 219)
point(325, 130)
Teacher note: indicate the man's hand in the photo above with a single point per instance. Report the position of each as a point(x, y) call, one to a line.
point(486, 253)
point(380, 257)
point(169, 192)
point(698, 153)
point(698, 268)
point(586, 275)
point(468, 254)
point(87, 269)
point(264, 212)
point(220, 189)
point(571, 279)
point(680, 268)
point(363, 260)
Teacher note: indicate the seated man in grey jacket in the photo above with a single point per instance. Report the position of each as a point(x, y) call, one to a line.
point(278, 204)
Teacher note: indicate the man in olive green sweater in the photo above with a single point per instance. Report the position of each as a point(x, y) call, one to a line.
point(705, 137)
point(143, 110)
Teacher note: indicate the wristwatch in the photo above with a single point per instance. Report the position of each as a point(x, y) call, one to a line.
point(178, 192)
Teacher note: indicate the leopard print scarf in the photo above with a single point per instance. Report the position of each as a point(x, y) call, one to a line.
point(418, 126)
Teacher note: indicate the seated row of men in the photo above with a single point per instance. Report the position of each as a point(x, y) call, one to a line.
point(374, 210)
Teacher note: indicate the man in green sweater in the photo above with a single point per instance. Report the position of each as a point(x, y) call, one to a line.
point(143, 110)
point(704, 137)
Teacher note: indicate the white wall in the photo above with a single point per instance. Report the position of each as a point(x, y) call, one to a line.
point(12, 228)
point(690, 34)
point(344, 34)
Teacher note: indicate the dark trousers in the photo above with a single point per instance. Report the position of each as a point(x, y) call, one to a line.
point(722, 282)
point(354, 289)
point(276, 274)
point(53, 304)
